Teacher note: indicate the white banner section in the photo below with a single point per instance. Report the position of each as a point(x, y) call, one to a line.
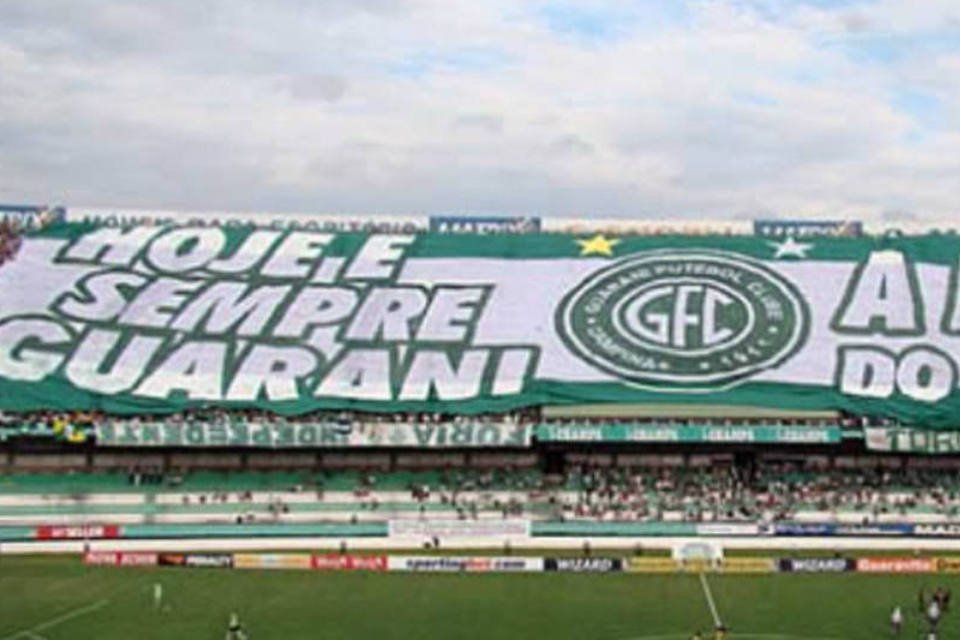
point(512, 528)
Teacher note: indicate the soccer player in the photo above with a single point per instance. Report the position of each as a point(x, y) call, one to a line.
point(942, 596)
point(933, 615)
point(896, 621)
point(720, 633)
point(157, 596)
point(235, 630)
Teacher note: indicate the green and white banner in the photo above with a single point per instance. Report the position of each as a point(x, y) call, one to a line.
point(914, 441)
point(119, 433)
point(157, 318)
point(764, 434)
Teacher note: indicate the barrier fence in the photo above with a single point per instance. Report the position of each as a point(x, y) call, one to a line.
point(512, 529)
point(526, 564)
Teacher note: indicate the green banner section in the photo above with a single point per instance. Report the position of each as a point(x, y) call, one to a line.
point(156, 319)
point(913, 441)
point(761, 434)
point(118, 433)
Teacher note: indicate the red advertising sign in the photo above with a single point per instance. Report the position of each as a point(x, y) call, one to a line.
point(896, 565)
point(120, 558)
point(76, 532)
point(339, 562)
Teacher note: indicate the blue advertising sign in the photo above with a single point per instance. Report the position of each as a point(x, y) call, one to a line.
point(832, 529)
point(804, 529)
point(484, 224)
point(30, 216)
point(807, 228)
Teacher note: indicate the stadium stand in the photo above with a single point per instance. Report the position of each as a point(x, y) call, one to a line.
point(73, 453)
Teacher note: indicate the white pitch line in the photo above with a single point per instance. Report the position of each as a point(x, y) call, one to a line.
point(709, 596)
point(758, 636)
point(32, 632)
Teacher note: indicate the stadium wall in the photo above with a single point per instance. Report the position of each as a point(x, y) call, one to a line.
point(595, 544)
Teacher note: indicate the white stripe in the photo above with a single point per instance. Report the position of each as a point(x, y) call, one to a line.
point(758, 636)
point(709, 596)
point(70, 615)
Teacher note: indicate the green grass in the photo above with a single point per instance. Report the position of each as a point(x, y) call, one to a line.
point(310, 605)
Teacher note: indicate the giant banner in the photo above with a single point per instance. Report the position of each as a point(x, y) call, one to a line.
point(157, 318)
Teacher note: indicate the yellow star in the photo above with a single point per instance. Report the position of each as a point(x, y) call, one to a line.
point(598, 245)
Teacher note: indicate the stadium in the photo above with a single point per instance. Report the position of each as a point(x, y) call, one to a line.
point(475, 427)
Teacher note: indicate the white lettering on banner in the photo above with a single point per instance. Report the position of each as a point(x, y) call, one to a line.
point(248, 255)
point(882, 297)
point(244, 315)
point(32, 365)
point(295, 254)
point(240, 433)
point(185, 249)
point(86, 368)
point(379, 257)
point(442, 529)
point(273, 372)
point(111, 245)
point(99, 297)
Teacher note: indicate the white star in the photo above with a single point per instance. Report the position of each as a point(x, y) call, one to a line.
point(790, 247)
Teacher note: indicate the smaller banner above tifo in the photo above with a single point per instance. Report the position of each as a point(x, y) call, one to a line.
point(443, 529)
point(469, 434)
point(484, 224)
point(764, 434)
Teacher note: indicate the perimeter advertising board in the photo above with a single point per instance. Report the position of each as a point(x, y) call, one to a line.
point(895, 565)
point(464, 564)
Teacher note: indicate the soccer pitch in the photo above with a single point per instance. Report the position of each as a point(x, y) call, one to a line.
point(58, 598)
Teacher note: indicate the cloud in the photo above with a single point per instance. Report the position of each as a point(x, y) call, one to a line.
point(325, 87)
point(701, 108)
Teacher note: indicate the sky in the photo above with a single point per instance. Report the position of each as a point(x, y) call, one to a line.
point(615, 109)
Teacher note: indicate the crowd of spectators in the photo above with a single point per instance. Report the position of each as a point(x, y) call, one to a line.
point(10, 240)
point(762, 493)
